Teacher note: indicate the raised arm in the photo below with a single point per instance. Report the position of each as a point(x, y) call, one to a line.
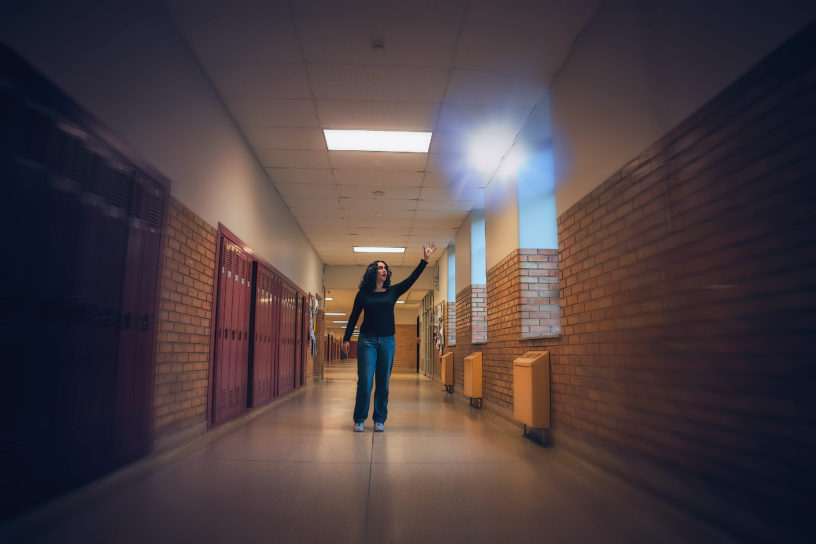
point(406, 284)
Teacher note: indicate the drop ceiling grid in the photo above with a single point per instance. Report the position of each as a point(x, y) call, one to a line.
point(287, 70)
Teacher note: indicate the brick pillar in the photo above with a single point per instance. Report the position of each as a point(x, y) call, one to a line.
point(539, 296)
point(185, 314)
point(450, 320)
point(478, 308)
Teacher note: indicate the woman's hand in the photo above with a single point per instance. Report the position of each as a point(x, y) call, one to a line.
point(346, 346)
point(427, 250)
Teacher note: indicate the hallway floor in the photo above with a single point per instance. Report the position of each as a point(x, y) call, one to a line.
point(441, 472)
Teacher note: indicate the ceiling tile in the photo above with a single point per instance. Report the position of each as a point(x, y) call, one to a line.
point(310, 202)
point(435, 179)
point(377, 205)
point(378, 178)
point(285, 138)
point(530, 35)
point(365, 191)
point(382, 83)
point(273, 111)
point(234, 30)
point(459, 205)
point(306, 190)
point(475, 118)
point(257, 78)
point(309, 214)
point(300, 175)
point(367, 160)
point(495, 88)
point(376, 115)
point(285, 158)
point(439, 217)
point(342, 32)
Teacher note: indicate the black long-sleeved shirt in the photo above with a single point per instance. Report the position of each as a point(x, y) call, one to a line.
point(378, 319)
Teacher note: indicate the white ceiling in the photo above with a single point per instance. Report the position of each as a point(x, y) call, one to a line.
point(287, 70)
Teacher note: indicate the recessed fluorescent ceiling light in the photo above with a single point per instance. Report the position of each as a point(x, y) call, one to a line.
point(400, 302)
point(361, 249)
point(335, 313)
point(329, 298)
point(339, 321)
point(377, 140)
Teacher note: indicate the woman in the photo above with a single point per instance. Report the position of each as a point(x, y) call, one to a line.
point(375, 347)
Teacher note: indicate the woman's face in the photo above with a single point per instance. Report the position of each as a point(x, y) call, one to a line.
point(382, 271)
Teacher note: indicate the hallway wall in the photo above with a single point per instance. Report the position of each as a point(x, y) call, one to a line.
point(185, 320)
point(405, 357)
point(687, 304)
point(639, 68)
point(127, 64)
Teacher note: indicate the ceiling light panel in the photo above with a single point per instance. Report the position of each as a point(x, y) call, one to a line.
point(378, 140)
point(380, 249)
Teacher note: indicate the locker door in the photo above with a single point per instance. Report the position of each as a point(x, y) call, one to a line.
point(275, 331)
point(232, 326)
point(134, 380)
point(262, 367)
point(286, 361)
point(301, 341)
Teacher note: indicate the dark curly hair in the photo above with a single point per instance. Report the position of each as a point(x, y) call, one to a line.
point(369, 282)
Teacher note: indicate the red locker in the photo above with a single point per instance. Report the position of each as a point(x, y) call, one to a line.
point(263, 362)
point(233, 302)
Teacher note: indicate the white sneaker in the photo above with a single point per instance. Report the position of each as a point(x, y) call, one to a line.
point(379, 427)
point(358, 427)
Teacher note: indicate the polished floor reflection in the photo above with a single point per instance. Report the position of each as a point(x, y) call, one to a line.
point(441, 472)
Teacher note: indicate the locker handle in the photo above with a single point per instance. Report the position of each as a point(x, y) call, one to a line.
point(233, 334)
point(145, 322)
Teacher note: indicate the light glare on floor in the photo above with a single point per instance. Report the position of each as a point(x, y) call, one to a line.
point(364, 249)
point(377, 140)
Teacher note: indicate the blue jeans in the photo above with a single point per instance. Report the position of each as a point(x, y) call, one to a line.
point(375, 356)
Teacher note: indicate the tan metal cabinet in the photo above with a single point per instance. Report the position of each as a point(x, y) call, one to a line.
point(473, 378)
point(447, 371)
point(531, 389)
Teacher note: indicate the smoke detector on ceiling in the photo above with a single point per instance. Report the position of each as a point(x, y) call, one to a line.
point(378, 46)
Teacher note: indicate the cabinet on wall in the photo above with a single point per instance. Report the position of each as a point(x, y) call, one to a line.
point(83, 225)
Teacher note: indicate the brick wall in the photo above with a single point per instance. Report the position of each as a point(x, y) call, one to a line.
point(405, 356)
point(504, 285)
point(688, 305)
point(450, 319)
point(184, 323)
point(688, 296)
point(539, 296)
point(478, 308)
